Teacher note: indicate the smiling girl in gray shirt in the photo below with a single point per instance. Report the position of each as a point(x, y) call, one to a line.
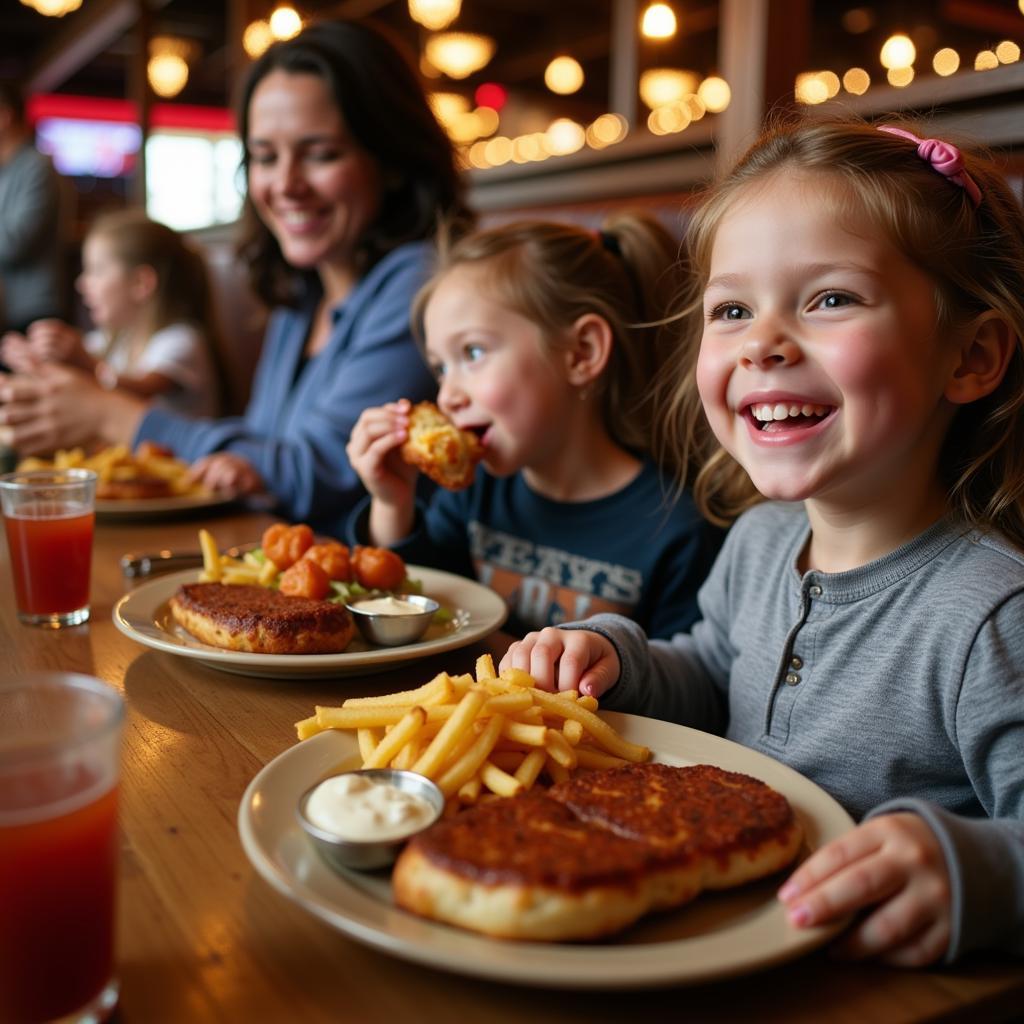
point(857, 351)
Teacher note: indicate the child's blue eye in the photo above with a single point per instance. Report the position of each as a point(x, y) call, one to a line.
point(437, 369)
point(835, 300)
point(473, 352)
point(729, 311)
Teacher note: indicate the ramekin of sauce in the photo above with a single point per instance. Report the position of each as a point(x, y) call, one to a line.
point(361, 819)
point(393, 620)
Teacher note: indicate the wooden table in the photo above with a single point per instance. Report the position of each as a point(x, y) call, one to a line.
point(203, 938)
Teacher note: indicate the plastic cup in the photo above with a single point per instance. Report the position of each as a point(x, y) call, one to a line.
point(48, 518)
point(59, 752)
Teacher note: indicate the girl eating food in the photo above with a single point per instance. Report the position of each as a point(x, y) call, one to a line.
point(856, 346)
point(535, 333)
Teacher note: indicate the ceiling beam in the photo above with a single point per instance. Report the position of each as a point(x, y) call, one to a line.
point(96, 28)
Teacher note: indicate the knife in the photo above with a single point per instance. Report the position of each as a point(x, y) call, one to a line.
point(136, 565)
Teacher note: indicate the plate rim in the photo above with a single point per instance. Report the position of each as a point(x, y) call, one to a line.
point(143, 508)
point(155, 592)
point(542, 964)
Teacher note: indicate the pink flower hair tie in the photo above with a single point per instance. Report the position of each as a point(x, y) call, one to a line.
point(944, 157)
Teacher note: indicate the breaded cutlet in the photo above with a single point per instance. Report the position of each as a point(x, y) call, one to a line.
point(240, 617)
point(596, 853)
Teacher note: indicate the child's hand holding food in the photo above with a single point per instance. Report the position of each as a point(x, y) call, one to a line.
point(566, 659)
point(374, 451)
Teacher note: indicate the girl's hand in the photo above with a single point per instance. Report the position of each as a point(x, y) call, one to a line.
point(566, 659)
point(373, 451)
point(893, 864)
point(53, 341)
point(226, 471)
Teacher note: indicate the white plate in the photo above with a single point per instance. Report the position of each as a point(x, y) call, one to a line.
point(145, 616)
point(115, 510)
point(719, 935)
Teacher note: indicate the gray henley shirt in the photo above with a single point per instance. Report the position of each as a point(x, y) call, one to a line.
point(898, 685)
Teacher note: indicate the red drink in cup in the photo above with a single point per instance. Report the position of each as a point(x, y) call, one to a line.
point(48, 518)
point(59, 736)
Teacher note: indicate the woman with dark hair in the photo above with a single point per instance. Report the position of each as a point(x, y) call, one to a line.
point(348, 174)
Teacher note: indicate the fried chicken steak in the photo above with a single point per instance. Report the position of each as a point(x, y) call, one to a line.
point(252, 618)
point(594, 854)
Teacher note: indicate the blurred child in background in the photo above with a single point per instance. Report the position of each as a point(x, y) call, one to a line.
point(148, 294)
point(535, 333)
point(857, 349)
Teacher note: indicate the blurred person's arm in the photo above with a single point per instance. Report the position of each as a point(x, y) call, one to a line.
point(61, 406)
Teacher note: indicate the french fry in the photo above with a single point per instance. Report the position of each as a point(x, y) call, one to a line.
point(404, 759)
point(508, 703)
point(531, 767)
point(529, 735)
point(517, 677)
point(498, 781)
point(572, 731)
point(602, 732)
point(367, 740)
point(211, 556)
point(559, 748)
point(587, 757)
point(397, 738)
point(308, 727)
point(589, 703)
point(238, 576)
point(268, 573)
point(437, 691)
point(485, 668)
point(467, 765)
point(358, 718)
point(465, 711)
point(469, 792)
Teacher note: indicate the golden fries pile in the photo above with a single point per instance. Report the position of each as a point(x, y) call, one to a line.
point(219, 568)
point(495, 734)
point(118, 463)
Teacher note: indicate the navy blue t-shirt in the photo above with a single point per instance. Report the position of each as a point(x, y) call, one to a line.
point(634, 552)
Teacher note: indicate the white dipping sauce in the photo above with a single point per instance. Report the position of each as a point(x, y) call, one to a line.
point(355, 807)
point(388, 606)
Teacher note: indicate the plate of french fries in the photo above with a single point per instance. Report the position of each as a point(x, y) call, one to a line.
point(491, 737)
point(144, 615)
point(148, 481)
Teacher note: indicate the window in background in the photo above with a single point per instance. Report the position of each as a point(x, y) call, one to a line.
point(191, 180)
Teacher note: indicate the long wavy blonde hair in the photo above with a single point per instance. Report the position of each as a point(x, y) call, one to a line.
point(974, 256)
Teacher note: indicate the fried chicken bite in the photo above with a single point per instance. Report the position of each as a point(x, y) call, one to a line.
point(439, 449)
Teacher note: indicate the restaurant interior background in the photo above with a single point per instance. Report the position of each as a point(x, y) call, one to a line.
point(567, 109)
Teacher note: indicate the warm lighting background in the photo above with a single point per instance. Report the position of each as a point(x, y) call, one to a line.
point(525, 81)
